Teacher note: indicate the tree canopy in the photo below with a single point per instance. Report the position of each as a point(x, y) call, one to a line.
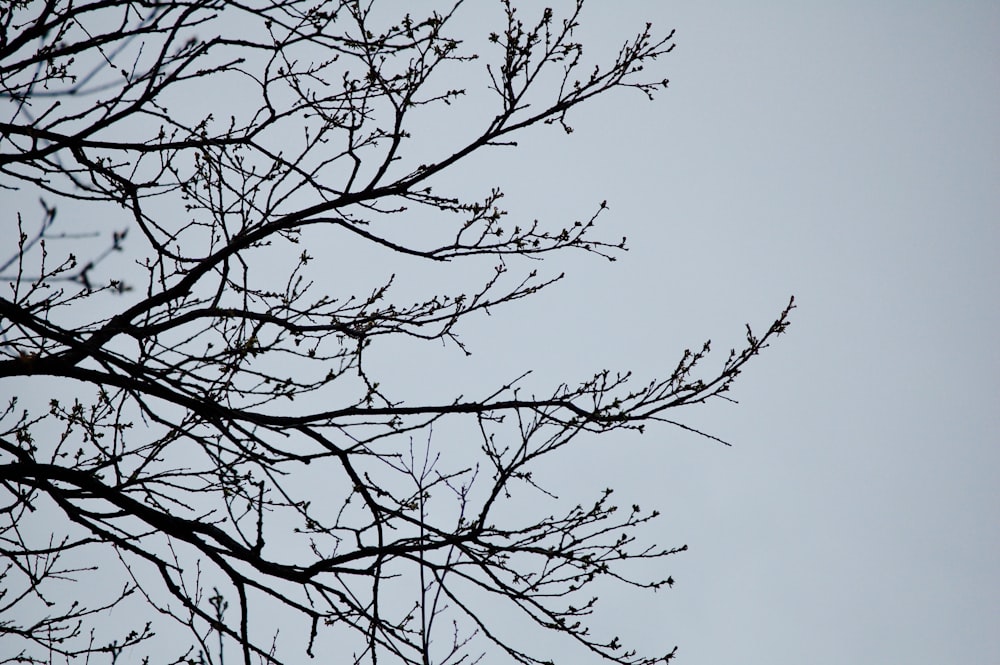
point(197, 460)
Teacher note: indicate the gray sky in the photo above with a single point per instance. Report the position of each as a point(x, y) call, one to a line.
point(848, 153)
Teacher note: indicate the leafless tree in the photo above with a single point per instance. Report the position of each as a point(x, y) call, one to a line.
point(215, 470)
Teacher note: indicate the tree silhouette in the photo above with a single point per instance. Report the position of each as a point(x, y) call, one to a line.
point(215, 469)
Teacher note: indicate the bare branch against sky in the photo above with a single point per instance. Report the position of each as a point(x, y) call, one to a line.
point(243, 205)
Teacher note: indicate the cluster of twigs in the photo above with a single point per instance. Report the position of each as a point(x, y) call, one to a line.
point(214, 438)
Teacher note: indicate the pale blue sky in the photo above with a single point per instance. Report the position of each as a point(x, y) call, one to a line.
point(848, 153)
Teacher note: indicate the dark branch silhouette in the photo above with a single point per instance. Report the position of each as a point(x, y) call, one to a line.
point(213, 438)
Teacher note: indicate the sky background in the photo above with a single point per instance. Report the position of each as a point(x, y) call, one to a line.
point(846, 153)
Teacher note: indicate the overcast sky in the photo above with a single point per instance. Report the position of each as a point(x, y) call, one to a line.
point(847, 153)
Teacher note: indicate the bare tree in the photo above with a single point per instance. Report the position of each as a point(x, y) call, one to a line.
point(213, 436)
